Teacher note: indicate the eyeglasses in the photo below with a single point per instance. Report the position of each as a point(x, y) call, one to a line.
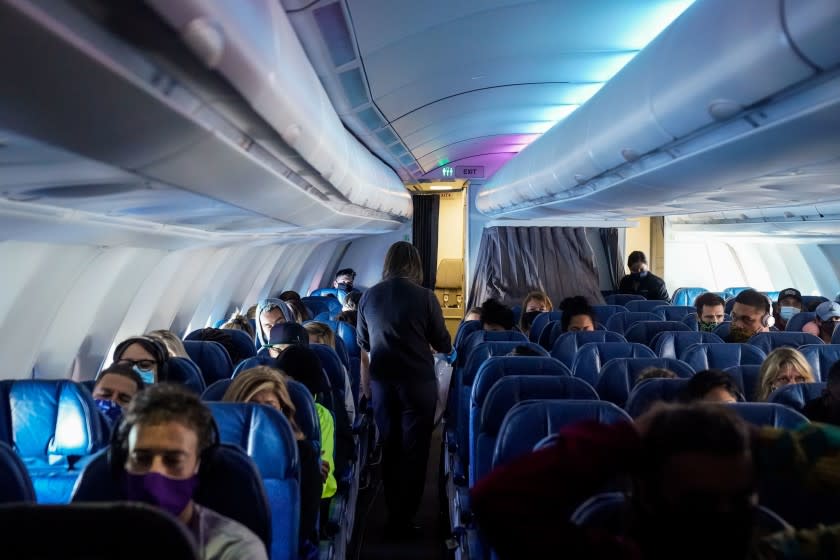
point(142, 364)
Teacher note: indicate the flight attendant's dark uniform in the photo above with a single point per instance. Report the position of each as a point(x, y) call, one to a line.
point(650, 286)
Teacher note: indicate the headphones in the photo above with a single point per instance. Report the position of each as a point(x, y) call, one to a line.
point(767, 320)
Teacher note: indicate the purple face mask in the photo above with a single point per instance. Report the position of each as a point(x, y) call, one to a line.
point(169, 494)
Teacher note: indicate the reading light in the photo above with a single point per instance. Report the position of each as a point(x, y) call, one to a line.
point(440, 187)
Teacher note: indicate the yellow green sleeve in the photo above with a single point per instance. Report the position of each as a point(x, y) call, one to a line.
point(325, 419)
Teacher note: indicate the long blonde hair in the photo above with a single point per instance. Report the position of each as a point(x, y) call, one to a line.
point(322, 332)
point(775, 362)
point(174, 345)
point(247, 384)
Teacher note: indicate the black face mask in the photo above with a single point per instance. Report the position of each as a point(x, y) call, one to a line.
point(528, 318)
point(345, 286)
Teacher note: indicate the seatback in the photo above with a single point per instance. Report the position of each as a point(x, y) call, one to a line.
point(734, 291)
point(797, 395)
point(465, 329)
point(769, 414)
point(799, 320)
point(746, 377)
point(15, 484)
point(480, 337)
point(645, 305)
point(501, 398)
point(643, 332)
point(325, 292)
point(604, 312)
point(550, 333)
point(769, 341)
point(261, 359)
point(673, 312)
point(622, 299)
point(566, 346)
point(592, 355)
point(540, 321)
point(722, 330)
point(706, 355)
point(649, 391)
point(728, 305)
point(618, 376)
point(670, 344)
point(266, 436)
point(686, 296)
point(54, 427)
point(211, 358)
point(810, 301)
point(184, 371)
point(517, 314)
point(528, 422)
point(620, 322)
point(821, 357)
point(244, 343)
point(217, 390)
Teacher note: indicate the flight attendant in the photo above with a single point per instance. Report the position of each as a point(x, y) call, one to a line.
point(398, 321)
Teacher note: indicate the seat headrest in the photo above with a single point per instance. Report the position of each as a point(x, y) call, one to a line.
point(465, 329)
point(770, 414)
point(215, 391)
point(306, 416)
point(769, 341)
point(498, 367)
point(797, 395)
point(485, 350)
point(211, 358)
point(650, 391)
point(620, 322)
point(670, 344)
point(644, 331)
point(746, 378)
point(618, 376)
point(821, 357)
point(185, 372)
point(258, 360)
point(450, 274)
point(244, 343)
point(686, 296)
point(721, 356)
point(15, 484)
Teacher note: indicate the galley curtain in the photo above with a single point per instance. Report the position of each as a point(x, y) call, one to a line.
point(613, 254)
point(513, 261)
point(425, 234)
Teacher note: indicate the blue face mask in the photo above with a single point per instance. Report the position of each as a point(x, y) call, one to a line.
point(787, 312)
point(111, 410)
point(147, 375)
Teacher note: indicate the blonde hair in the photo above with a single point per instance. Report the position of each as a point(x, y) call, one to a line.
point(239, 323)
point(774, 363)
point(174, 345)
point(252, 312)
point(655, 373)
point(321, 332)
point(247, 384)
point(543, 298)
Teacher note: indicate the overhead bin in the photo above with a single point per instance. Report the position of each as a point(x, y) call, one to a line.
point(717, 59)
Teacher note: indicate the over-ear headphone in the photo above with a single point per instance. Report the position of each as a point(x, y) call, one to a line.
point(768, 320)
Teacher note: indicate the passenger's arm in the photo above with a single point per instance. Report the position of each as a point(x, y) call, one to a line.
point(362, 335)
point(436, 333)
point(364, 373)
point(523, 508)
point(809, 454)
point(662, 293)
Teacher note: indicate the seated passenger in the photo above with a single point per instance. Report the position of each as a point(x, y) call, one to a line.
point(293, 300)
point(115, 387)
point(473, 314)
point(523, 350)
point(828, 315)
point(655, 373)
point(788, 304)
point(751, 314)
point(320, 333)
point(289, 295)
point(271, 312)
point(782, 366)
point(496, 316)
point(252, 313)
point(534, 304)
point(827, 407)
point(351, 301)
point(239, 323)
point(143, 354)
point(344, 279)
point(710, 311)
point(711, 385)
point(265, 385)
point(694, 472)
point(174, 345)
point(577, 315)
point(284, 335)
point(641, 281)
point(220, 336)
point(165, 431)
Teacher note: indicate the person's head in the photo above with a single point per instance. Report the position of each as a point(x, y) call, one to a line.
point(712, 385)
point(252, 312)
point(165, 430)
point(302, 364)
point(144, 354)
point(351, 301)
point(320, 333)
point(474, 314)
point(827, 318)
point(283, 336)
point(344, 279)
point(523, 350)
point(655, 373)
point(174, 345)
point(271, 312)
point(637, 262)
point(349, 316)
point(710, 311)
point(783, 366)
point(403, 261)
point(264, 385)
point(577, 315)
point(495, 316)
point(789, 303)
point(299, 310)
point(694, 488)
point(289, 295)
point(118, 384)
point(224, 338)
point(533, 304)
point(239, 323)
point(751, 314)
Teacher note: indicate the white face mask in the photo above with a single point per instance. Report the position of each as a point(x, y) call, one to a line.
point(787, 312)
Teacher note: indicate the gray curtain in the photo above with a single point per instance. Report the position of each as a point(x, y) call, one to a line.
point(513, 261)
point(614, 255)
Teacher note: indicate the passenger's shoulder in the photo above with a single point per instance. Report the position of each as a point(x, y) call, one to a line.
point(227, 539)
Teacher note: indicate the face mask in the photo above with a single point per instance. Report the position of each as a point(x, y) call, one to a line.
point(169, 494)
point(528, 318)
point(706, 327)
point(110, 409)
point(738, 335)
point(345, 286)
point(827, 327)
point(787, 312)
point(147, 375)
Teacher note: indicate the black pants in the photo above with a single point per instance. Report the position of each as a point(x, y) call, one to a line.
point(405, 416)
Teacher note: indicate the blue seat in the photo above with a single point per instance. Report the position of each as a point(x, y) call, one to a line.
point(244, 343)
point(722, 330)
point(566, 346)
point(622, 299)
point(266, 436)
point(604, 312)
point(808, 302)
point(465, 329)
point(797, 395)
point(773, 295)
point(686, 296)
point(770, 414)
point(620, 322)
point(551, 332)
point(55, 428)
point(517, 313)
point(540, 321)
point(705, 355)
point(674, 312)
point(15, 484)
point(184, 371)
point(618, 376)
point(489, 410)
point(670, 344)
point(644, 332)
point(644, 305)
point(732, 292)
point(215, 391)
point(592, 355)
point(327, 292)
point(316, 305)
point(799, 320)
point(480, 337)
point(261, 359)
point(746, 378)
point(650, 391)
point(728, 305)
point(528, 422)
point(835, 336)
point(769, 341)
point(211, 358)
point(821, 357)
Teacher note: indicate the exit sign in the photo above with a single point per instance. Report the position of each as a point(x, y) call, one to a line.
point(470, 172)
point(447, 172)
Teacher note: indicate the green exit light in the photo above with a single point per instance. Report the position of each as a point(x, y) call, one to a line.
point(448, 172)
